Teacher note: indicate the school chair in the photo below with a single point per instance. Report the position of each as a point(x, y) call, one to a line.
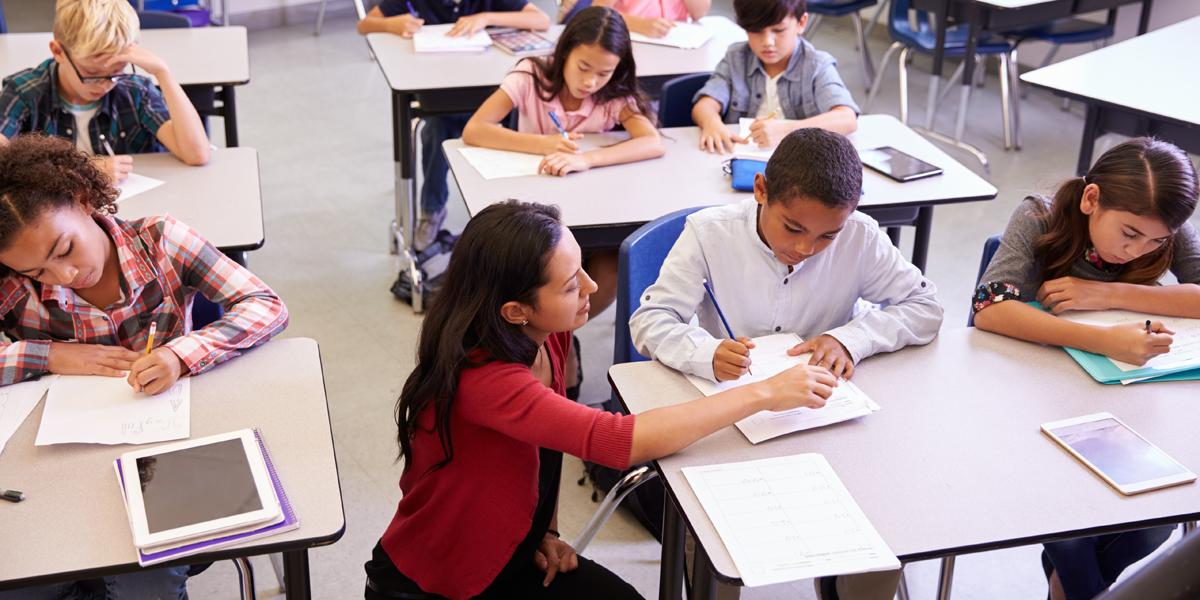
point(192, 10)
point(568, 8)
point(358, 6)
point(675, 104)
point(841, 8)
point(989, 250)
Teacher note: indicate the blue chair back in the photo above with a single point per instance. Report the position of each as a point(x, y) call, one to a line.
point(3, 27)
point(580, 5)
point(157, 19)
point(641, 257)
point(205, 312)
point(838, 8)
point(924, 37)
point(989, 250)
point(675, 105)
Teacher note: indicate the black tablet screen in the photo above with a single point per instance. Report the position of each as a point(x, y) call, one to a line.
point(197, 485)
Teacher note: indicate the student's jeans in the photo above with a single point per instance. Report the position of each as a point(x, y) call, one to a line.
point(168, 583)
point(434, 167)
point(1087, 566)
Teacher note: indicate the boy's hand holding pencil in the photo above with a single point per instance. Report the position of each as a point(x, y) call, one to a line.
point(767, 132)
point(732, 359)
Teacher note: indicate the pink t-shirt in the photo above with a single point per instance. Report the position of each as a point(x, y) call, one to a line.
point(675, 10)
point(535, 112)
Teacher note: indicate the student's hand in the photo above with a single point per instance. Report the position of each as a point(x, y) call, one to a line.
point(1070, 293)
point(138, 57)
point(555, 143)
point(655, 28)
point(767, 132)
point(561, 163)
point(405, 25)
point(156, 372)
point(827, 352)
point(554, 556)
point(118, 167)
point(468, 25)
point(732, 359)
point(1130, 342)
point(89, 359)
point(715, 137)
point(802, 386)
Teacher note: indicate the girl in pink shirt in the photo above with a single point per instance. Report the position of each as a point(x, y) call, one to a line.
point(655, 18)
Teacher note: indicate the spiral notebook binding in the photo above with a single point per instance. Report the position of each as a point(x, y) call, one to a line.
point(283, 499)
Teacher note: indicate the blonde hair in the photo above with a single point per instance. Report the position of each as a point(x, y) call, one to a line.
point(90, 27)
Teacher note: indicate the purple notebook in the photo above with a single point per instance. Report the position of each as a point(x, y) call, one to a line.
point(288, 523)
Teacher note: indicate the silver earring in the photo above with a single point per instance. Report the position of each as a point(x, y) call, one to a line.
point(525, 322)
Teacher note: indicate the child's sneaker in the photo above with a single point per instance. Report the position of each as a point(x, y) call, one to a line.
point(428, 227)
point(432, 261)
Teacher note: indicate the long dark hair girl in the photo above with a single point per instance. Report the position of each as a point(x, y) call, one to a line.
point(501, 257)
point(594, 25)
point(1143, 176)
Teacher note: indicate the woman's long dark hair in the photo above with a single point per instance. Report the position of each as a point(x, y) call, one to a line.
point(1143, 176)
point(594, 25)
point(501, 257)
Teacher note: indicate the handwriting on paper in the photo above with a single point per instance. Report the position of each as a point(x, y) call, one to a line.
point(106, 410)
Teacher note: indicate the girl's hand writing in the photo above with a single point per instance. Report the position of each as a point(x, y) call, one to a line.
point(556, 143)
point(655, 28)
point(732, 359)
point(157, 372)
point(89, 359)
point(554, 556)
point(715, 136)
point(768, 132)
point(1070, 293)
point(468, 25)
point(802, 386)
point(1132, 344)
point(827, 352)
point(405, 25)
point(561, 163)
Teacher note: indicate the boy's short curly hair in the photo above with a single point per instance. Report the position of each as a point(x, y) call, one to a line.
point(757, 15)
point(40, 173)
point(818, 164)
point(90, 27)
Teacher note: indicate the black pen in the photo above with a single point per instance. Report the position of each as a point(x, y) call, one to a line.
point(1147, 325)
point(12, 496)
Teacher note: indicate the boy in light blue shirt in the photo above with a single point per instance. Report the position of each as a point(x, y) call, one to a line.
point(775, 77)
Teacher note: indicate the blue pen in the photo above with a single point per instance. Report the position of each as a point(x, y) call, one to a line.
point(412, 11)
point(558, 124)
point(728, 329)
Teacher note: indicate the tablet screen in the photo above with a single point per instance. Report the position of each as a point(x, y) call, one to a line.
point(1120, 453)
point(197, 485)
point(896, 164)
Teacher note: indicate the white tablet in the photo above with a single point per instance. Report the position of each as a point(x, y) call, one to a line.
point(1123, 458)
point(197, 489)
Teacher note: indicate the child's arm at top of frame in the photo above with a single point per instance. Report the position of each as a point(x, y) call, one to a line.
point(484, 130)
point(184, 133)
point(403, 25)
point(529, 17)
point(654, 27)
point(643, 143)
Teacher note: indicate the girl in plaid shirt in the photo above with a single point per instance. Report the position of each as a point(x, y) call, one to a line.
point(79, 287)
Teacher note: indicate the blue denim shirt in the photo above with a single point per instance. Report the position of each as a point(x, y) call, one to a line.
point(810, 86)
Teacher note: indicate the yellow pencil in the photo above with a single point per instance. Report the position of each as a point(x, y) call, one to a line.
point(772, 115)
point(150, 342)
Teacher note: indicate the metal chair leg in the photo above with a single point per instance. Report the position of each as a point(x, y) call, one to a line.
point(245, 578)
point(814, 21)
point(883, 9)
point(946, 578)
point(868, 69)
point(904, 84)
point(902, 590)
point(609, 504)
point(320, 17)
point(1005, 99)
point(1014, 86)
point(955, 77)
point(1188, 527)
point(362, 11)
point(277, 566)
point(879, 75)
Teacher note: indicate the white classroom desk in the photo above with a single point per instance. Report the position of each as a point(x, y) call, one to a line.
point(442, 84)
point(222, 199)
point(604, 205)
point(1135, 87)
point(955, 462)
point(72, 524)
point(208, 56)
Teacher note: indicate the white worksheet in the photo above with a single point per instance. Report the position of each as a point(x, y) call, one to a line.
point(17, 401)
point(135, 184)
point(83, 409)
point(768, 358)
point(683, 35)
point(498, 164)
point(1185, 349)
point(788, 518)
point(432, 39)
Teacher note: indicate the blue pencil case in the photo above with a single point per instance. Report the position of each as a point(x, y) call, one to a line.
point(742, 172)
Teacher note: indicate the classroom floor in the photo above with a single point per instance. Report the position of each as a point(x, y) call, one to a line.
point(317, 110)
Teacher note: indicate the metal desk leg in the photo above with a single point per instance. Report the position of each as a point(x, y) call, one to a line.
point(964, 99)
point(1144, 18)
point(921, 241)
point(939, 55)
point(295, 574)
point(704, 585)
point(893, 234)
point(946, 578)
point(404, 226)
point(229, 113)
point(1091, 126)
point(238, 256)
point(670, 574)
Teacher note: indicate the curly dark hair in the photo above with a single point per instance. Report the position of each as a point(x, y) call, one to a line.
point(38, 173)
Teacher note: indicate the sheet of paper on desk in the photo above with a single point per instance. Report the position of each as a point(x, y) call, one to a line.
point(770, 358)
point(1184, 349)
point(498, 164)
point(136, 184)
point(688, 36)
point(84, 409)
point(432, 39)
point(750, 151)
point(788, 518)
point(17, 401)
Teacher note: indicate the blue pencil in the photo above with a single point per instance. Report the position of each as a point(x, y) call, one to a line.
point(720, 313)
point(412, 11)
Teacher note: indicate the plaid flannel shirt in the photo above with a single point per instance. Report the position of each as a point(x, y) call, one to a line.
point(129, 115)
point(164, 264)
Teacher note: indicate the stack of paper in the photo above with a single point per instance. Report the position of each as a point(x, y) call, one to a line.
point(432, 39)
point(1182, 362)
point(683, 35)
point(84, 409)
point(788, 518)
point(498, 164)
point(135, 184)
point(770, 358)
point(17, 401)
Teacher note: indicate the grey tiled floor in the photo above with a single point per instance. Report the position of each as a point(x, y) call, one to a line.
point(317, 110)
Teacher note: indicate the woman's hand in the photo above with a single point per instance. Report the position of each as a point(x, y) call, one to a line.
point(1070, 293)
point(89, 359)
point(802, 386)
point(554, 556)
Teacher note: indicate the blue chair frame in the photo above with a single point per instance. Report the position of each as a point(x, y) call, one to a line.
point(3, 26)
point(839, 8)
point(989, 250)
point(675, 104)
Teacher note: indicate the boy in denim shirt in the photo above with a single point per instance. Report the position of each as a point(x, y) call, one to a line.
point(776, 77)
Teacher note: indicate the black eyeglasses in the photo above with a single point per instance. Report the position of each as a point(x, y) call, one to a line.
point(91, 80)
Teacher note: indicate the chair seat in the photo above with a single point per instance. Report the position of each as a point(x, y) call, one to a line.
point(838, 8)
point(925, 41)
point(1062, 31)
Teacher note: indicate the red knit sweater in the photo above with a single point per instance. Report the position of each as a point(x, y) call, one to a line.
point(457, 527)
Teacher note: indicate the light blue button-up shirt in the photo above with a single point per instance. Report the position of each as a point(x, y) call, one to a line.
point(760, 297)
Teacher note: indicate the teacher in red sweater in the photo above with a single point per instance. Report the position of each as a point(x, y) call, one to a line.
point(484, 421)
